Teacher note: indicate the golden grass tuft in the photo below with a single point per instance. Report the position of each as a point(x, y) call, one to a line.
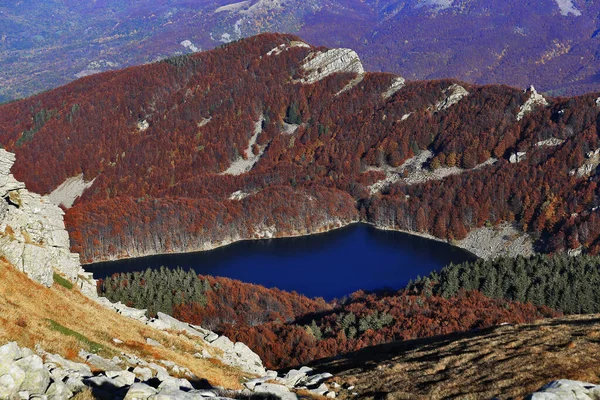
point(63, 321)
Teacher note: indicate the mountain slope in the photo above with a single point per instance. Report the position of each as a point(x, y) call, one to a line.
point(269, 137)
point(509, 361)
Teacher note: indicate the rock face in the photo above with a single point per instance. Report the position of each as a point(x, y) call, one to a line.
point(33, 237)
point(567, 389)
point(454, 94)
point(320, 65)
point(535, 99)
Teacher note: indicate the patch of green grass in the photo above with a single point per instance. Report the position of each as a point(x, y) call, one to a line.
point(62, 281)
point(92, 346)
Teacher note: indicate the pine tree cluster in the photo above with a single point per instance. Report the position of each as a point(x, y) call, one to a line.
point(561, 282)
point(156, 289)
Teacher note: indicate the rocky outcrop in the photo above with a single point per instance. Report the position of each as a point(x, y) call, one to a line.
point(565, 389)
point(69, 191)
point(454, 94)
point(517, 157)
point(397, 84)
point(245, 164)
point(320, 65)
point(590, 164)
point(33, 237)
point(535, 99)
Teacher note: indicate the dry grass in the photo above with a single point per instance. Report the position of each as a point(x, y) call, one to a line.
point(64, 321)
point(503, 362)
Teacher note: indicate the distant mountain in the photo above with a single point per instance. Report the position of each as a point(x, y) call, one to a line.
point(270, 137)
point(549, 43)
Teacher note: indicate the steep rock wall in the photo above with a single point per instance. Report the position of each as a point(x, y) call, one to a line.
point(33, 237)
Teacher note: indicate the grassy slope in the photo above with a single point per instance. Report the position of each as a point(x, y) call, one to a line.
point(27, 309)
point(508, 361)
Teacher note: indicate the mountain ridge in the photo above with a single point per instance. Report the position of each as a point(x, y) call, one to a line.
point(550, 43)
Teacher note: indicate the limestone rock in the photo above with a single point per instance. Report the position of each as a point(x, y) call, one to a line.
point(567, 389)
point(320, 65)
point(32, 233)
point(278, 390)
point(140, 391)
point(98, 362)
point(535, 99)
point(454, 94)
point(37, 377)
point(58, 390)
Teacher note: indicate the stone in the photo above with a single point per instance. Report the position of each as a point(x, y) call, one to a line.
point(273, 374)
point(331, 394)
point(24, 395)
point(75, 384)
point(321, 390)
point(294, 377)
point(178, 325)
point(82, 370)
point(122, 378)
point(98, 362)
point(564, 389)
point(8, 353)
point(153, 342)
point(58, 391)
point(277, 390)
point(251, 384)
point(37, 377)
point(175, 383)
point(320, 65)
point(204, 393)
point(316, 379)
point(102, 382)
point(143, 373)
point(161, 372)
point(8, 386)
point(140, 391)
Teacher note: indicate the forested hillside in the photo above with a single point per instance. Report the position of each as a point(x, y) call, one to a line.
point(271, 137)
point(288, 329)
point(561, 282)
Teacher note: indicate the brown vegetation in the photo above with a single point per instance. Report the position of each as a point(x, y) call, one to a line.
point(508, 361)
point(64, 321)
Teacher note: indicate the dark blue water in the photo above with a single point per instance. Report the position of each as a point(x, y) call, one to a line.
point(327, 265)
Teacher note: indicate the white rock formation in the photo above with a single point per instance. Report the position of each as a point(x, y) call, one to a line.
point(242, 165)
point(397, 84)
point(564, 389)
point(567, 7)
point(320, 65)
point(189, 45)
point(234, 7)
point(504, 240)
point(143, 125)
point(517, 157)
point(592, 161)
point(33, 237)
point(550, 142)
point(454, 93)
point(414, 171)
point(69, 191)
point(285, 47)
point(535, 99)
point(238, 195)
point(598, 102)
